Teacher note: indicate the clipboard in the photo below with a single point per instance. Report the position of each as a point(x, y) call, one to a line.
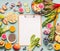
point(29, 25)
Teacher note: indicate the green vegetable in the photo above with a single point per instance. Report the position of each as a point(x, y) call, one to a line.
point(1, 31)
point(49, 18)
point(5, 28)
point(32, 38)
point(52, 34)
point(38, 1)
point(1, 16)
point(33, 42)
point(51, 13)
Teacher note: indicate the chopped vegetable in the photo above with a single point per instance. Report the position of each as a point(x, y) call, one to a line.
point(33, 42)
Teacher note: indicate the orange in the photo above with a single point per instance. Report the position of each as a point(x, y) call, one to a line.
point(8, 45)
point(57, 46)
point(12, 29)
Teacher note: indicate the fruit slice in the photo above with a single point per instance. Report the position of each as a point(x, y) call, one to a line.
point(56, 46)
point(12, 29)
point(8, 45)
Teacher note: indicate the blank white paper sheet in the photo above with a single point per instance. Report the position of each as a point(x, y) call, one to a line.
point(29, 25)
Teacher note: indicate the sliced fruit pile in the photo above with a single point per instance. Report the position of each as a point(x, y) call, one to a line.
point(37, 7)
